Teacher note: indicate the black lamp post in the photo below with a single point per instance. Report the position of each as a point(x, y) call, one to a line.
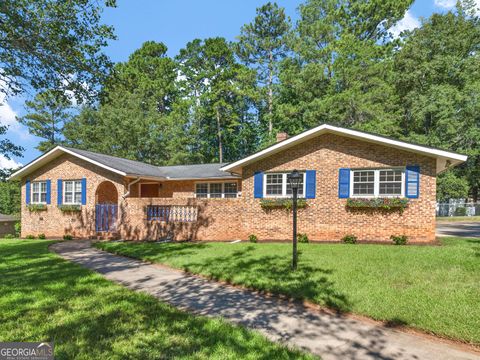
point(294, 181)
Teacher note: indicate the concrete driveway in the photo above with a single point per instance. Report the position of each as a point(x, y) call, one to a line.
point(461, 229)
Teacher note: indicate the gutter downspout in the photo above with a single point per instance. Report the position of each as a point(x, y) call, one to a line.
point(129, 186)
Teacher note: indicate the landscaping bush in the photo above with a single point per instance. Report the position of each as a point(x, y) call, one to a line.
point(399, 239)
point(30, 236)
point(9, 236)
point(303, 238)
point(253, 238)
point(42, 236)
point(67, 237)
point(349, 239)
point(461, 211)
point(18, 228)
point(70, 208)
point(36, 207)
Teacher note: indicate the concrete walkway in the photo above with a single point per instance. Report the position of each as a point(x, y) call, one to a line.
point(330, 336)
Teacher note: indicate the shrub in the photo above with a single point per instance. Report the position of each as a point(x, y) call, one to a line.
point(461, 211)
point(18, 228)
point(42, 236)
point(70, 208)
point(349, 239)
point(67, 237)
point(303, 238)
point(252, 238)
point(9, 236)
point(36, 207)
point(287, 204)
point(30, 237)
point(387, 204)
point(399, 239)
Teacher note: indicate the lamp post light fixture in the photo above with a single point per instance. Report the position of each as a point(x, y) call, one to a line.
point(294, 179)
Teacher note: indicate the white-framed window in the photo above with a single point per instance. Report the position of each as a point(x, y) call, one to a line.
point(216, 190)
point(39, 192)
point(377, 182)
point(276, 185)
point(72, 192)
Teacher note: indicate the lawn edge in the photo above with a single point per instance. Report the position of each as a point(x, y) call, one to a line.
point(461, 344)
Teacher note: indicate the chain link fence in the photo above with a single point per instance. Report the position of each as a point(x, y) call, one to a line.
point(458, 208)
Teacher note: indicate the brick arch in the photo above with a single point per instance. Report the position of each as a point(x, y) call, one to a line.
point(106, 193)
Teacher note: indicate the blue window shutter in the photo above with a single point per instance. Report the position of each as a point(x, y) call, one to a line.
point(344, 183)
point(310, 183)
point(412, 181)
point(84, 191)
point(59, 191)
point(27, 191)
point(49, 191)
point(258, 185)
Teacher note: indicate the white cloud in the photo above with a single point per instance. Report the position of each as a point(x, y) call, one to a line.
point(409, 22)
point(450, 4)
point(8, 164)
point(445, 4)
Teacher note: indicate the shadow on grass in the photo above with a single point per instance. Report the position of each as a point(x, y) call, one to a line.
point(45, 298)
point(243, 267)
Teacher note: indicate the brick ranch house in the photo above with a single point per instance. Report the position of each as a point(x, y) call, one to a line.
point(345, 173)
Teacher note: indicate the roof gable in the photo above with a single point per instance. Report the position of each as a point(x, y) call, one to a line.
point(443, 157)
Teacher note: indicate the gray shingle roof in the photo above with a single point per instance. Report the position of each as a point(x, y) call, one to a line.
point(137, 168)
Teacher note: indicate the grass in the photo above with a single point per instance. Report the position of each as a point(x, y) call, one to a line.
point(457, 218)
point(432, 288)
point(44, 298)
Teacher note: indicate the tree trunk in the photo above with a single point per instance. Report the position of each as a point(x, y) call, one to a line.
point(219, 135)
point(270, 94)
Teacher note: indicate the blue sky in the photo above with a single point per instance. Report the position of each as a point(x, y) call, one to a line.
point(175, 23)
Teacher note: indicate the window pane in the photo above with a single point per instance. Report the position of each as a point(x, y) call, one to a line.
point(35, 197)
point(300, 187)
point(201, 190)
point(274, 184)
point(78, 186)
point(363, 189)
point(390, 182)
point(43, 186)
point(230, 190)
point(78, 198)
point(68, 197)
point(215, 190)
point(68, 186)
point(35, 186)
point(364, 182)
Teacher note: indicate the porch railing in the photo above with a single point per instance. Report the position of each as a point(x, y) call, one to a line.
point(172, 213)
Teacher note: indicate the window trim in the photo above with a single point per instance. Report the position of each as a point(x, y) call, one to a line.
point(39, 192)
point(64, 190)
point(376, 183)
point(223, 189)
point(284, 194)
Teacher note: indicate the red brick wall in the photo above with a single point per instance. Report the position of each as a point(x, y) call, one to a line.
point(325, 218)
point(53, 222)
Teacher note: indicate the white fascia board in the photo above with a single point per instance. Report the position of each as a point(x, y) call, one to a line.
point(453, 157)
point(50, 155)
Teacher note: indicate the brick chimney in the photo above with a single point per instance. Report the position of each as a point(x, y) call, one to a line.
point(282, 136)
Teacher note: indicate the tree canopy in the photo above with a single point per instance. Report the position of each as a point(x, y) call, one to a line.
point(218, 100)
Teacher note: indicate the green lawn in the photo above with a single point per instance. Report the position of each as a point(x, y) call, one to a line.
point(433, 288)
point(457, 218)
point(44, 298)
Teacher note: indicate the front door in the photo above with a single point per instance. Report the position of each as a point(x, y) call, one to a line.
point(106, 217)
